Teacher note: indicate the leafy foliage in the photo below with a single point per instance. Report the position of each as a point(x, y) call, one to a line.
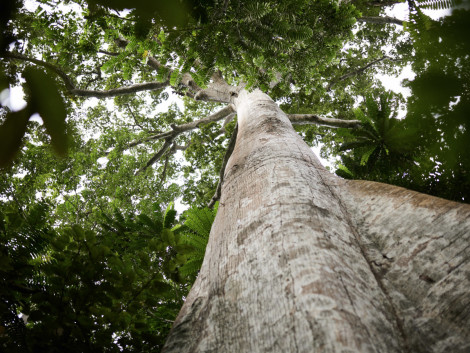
point(439, 105)
point(114, 288)
point(45, 100)
point(89, 254)
point(384, 145)
point(197, 226)
point(381, 136)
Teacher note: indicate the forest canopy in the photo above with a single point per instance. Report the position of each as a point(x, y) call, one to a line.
point(93, 254)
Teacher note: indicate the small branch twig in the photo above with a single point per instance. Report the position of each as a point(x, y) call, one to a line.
point(380, 20)
point(228, 153)
point(70, 86)
point(358, 71)
point(156, 156)
point(304, 119)
point(108, 53)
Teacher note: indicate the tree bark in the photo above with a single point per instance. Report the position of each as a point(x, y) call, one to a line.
point(299, 260)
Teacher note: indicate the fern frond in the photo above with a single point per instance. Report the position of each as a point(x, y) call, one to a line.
point(199, 220)
point(256, 10)
point(438, 4)
point(191, 267)
point(197, 243)
point(170, 216)
point(367, 154)
point(345, 170)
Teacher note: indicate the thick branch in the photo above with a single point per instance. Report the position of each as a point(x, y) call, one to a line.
point(154, 63)
point(380, 20)
point(358, 71)
point(122, 43)
point(303, 119)
point(189, 82)
point(177, 147)
point(221, 114)
point(228, 153)
point(218, 90)
point(217, 93)
point(70, 86)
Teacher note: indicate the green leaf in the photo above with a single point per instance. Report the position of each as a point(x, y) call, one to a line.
point(170, 215)
point(168, 237)
point(174, 77)
point(366, 155)
point(161, 36)
point(46, 100)
point(345, 170)
point(11, 135)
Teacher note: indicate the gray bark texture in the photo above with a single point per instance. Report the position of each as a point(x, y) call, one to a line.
point(300, 260)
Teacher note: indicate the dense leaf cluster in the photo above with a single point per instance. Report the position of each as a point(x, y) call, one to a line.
point(115, 288)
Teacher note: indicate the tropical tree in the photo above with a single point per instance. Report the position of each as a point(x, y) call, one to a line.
point(297, 259)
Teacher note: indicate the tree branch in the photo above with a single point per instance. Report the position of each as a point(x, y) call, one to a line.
point(107, 53)
point(177, 147)
point(156, 156)
point(380, 20)
point(70, 86)
point(228, 153)
point(303, 119)
point(218, 91)
point(358, 71)
point(227, 120)
point(165, 167)
point(138, 87)
point(179, 129)
point(383, 3)
point(67, 80)
point(222, 113)
point(122, 43)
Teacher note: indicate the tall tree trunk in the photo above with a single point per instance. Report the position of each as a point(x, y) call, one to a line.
point(299, 260)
